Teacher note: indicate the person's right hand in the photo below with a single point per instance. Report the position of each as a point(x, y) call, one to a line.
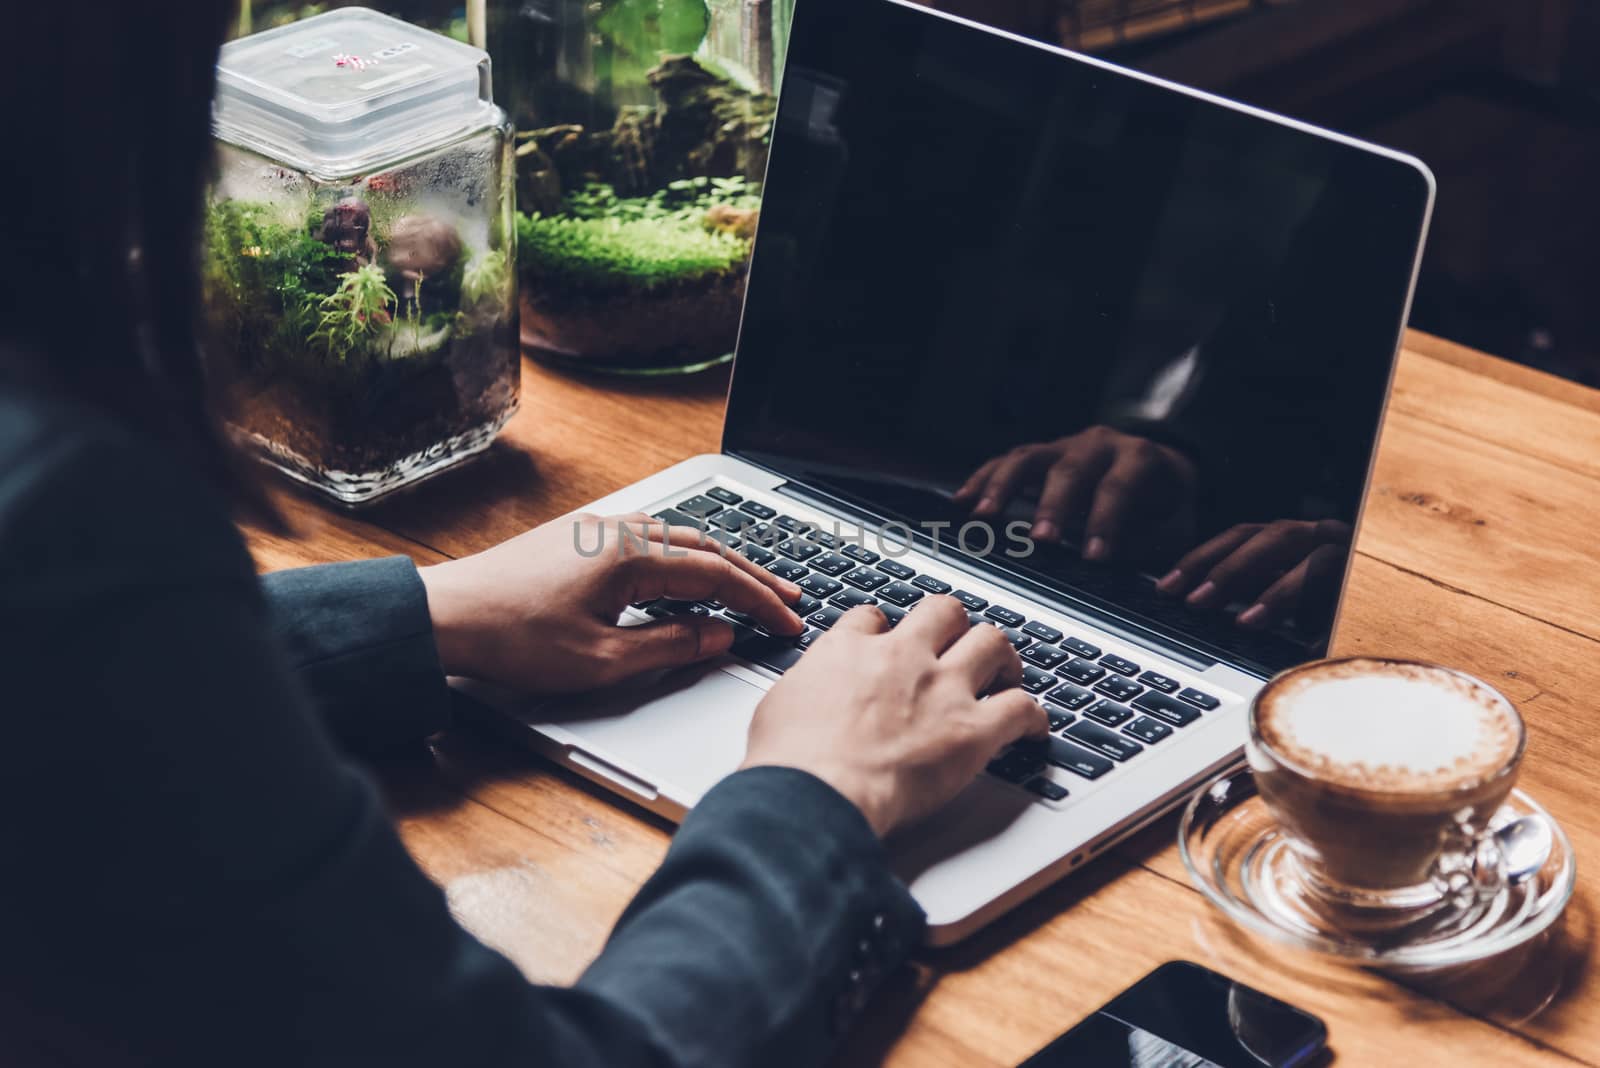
point(893, 719)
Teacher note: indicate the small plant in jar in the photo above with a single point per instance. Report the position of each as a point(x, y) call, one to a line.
point(361, 304)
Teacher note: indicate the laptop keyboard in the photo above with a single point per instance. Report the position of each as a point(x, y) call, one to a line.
point(1104, 709)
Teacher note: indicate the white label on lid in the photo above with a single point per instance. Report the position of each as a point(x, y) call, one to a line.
point(311, 48)
point(396, 50)
point(397, 76)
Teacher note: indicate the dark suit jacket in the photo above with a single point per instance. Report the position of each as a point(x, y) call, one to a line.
point(194, 874)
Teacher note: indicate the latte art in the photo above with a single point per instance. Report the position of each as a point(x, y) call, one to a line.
point(1383, 725)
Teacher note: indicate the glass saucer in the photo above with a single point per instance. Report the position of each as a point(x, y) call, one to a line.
point(1239, 859)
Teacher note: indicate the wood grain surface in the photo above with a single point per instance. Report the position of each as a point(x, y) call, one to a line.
point(1477, 551)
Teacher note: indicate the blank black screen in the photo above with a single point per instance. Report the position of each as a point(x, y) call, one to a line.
point(971, 245)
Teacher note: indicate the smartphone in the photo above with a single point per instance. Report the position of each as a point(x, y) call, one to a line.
point(1184, 1016)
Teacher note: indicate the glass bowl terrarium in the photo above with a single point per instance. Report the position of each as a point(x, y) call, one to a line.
point(360, 248)
point(647, 124)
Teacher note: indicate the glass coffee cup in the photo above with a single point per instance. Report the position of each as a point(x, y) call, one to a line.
point(1384, 776)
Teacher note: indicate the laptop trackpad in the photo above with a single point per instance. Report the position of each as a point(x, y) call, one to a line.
point(683, 732)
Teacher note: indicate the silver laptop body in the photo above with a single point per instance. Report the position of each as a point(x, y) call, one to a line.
point(663, 742)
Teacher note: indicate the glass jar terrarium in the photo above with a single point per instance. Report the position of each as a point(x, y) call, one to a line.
point(360, 248)
point(647, 123)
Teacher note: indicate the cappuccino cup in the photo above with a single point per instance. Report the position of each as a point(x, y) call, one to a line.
point(1383, 775)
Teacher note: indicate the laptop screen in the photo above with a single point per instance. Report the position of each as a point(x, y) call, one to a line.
point(1000, 289)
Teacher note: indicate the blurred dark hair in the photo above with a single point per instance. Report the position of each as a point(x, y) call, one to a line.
point(108, 148)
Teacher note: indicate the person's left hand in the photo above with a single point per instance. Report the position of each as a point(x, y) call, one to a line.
point(538, 615)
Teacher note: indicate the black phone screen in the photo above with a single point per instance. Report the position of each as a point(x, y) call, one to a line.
point(1184, 1016)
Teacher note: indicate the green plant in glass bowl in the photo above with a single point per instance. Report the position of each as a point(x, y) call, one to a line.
point(646, 282)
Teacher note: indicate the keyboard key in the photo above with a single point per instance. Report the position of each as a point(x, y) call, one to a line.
point(1078, 760)
point(796, 549)
point(1036, 681)
point(973, 602)
point(742, 634)
point(759, 510)
point(734, 521)
point(899, 593)
point(891, 613)
point(674, 518)
point(1079, 670)
point(1006, 616)
point(897, 569)
point(823, 538)
point(791, 524)
point(699, 506)
point(778, 654)
point(864, 578)
point(832, 564)
point(788, 569)
point(685, 608)
point(1166, 708)
point(1046, 656)
point(1119, 689)
point(1159, 682)
point(1048, 789)
point(1147, 730)
point(825, 618)
point(853, 599)
point(751, 551)
point(820, 586)
point(1200, 700)
point(931, 584)
point(765, 534)
point(1019, 641)
point(860, 554)
point(723, 538)
point(724, 496)
point(743, 619)
point(1119, 665)
point(1108, 712)
point(1058, 716)
point(1082, 648)
point(1015, 766)
point(808, 638)
point(805, 605)
point(1042, 632)
point(1072, 697)
point(1096, 737)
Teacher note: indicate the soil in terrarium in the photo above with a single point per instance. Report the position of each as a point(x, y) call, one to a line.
point(633, 240)
point(348, 342)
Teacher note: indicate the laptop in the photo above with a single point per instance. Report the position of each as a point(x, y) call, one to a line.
point(977, 250)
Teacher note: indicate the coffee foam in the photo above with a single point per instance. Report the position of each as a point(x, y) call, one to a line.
point(1374, 724)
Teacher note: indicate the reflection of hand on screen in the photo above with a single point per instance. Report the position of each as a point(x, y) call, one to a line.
point(1114, 480)
point(1284, 568)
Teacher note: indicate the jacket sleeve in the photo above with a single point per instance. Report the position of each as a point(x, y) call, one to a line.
point(208, 883)
point(360, 639)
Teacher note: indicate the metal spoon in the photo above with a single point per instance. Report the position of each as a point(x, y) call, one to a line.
point(1525, 845)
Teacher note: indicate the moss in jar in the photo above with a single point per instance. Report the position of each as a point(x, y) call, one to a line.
point(350, 344)
point(652, 278)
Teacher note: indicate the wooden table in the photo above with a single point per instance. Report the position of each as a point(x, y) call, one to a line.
point(1478, 551)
